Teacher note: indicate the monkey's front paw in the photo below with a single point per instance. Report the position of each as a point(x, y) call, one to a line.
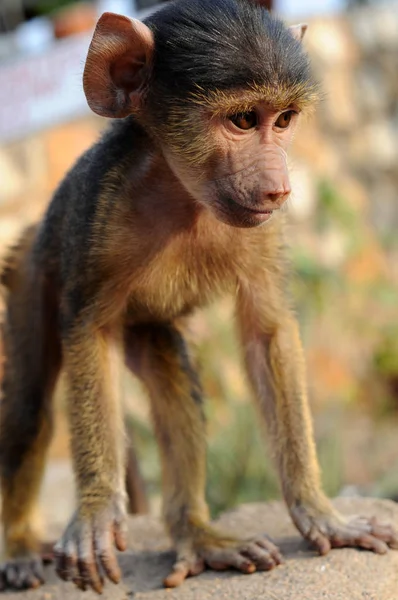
point(87, 548)
point(326, 531)
point(221, 553)
point(22, 573)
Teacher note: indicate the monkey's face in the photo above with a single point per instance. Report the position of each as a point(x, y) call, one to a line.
point(241, 170)
point(218, 89)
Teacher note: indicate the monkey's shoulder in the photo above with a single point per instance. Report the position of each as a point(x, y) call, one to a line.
point(78, 202)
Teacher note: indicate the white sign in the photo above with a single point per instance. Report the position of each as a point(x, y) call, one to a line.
point(43, 89)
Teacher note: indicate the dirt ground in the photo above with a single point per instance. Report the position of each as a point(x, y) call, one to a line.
point(346, 574)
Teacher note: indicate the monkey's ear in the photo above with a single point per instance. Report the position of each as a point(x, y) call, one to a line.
point(117, 65)
point(298, 31)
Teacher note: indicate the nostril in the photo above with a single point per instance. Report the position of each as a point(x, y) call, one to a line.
point(277, 196)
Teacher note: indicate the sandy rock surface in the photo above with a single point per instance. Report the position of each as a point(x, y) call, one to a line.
point(342, 575)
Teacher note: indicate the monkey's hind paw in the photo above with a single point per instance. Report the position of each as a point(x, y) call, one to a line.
point(246, 556)
point(22, 573)
point(336, 531)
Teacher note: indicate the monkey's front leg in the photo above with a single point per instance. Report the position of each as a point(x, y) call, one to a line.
point(159, 356)
point(91, 363)
point(275, 366)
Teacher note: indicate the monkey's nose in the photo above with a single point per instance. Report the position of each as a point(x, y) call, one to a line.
point(279, 196)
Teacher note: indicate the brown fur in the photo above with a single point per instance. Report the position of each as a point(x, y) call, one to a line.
point(10, 264)
point(235, 101)
point(32, 364)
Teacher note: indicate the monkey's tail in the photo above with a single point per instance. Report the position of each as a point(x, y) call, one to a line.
point(10, 264)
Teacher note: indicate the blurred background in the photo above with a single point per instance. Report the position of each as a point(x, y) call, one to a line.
point(342, 241)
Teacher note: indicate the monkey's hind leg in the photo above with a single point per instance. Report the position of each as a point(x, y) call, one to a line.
point(31, 367)
point(159, 356)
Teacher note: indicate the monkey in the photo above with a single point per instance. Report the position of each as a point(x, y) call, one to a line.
point(179, 202)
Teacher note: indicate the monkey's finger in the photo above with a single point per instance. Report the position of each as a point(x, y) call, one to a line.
point(89, 575)
point(86, 562)
point(120, 536)
point(361, 540)
point(37, 569)
point(110, 565)
point(30, 581)
point(197, 568)
point(372, 543)
point(320, 541)
point(59, 558)
point(103, 544)
point(272, 549)
point(65, 560)
point(75, 577)
point(79, 583)
point(11, 574)
point(178, 575)
point(19, 577)
point(260, 557)
point(224, 560)
point(386, 533)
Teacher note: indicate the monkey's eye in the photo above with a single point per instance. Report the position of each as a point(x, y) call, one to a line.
point(283, 121)
point(246, 120)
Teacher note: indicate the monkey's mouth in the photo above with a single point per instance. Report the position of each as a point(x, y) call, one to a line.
point(265, 213)
point(244, 216)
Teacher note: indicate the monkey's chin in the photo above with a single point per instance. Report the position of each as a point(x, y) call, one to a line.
point(236, 215)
